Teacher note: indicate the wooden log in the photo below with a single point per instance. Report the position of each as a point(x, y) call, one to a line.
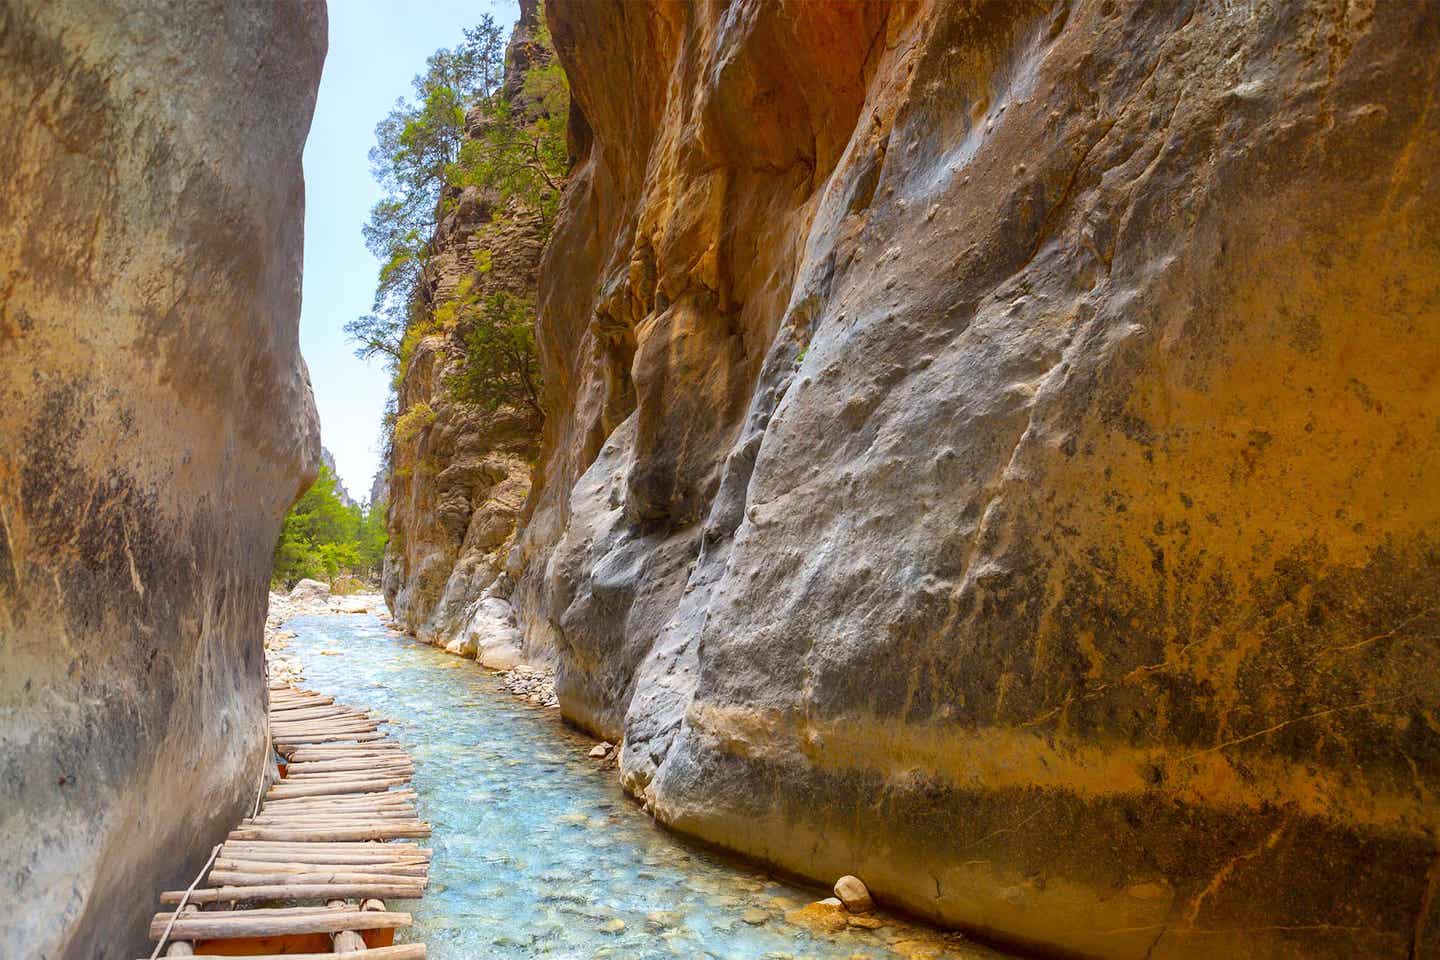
point(400, 951)
point(357, 720)
point(338, 750)
point(301, 739)
point(398, 770)
point(283, 791)
point(233, 878)
point(387, 777)
point(381, 773)
point(306, 851)
point(388, 799)
point(401, 794)
point(375, 751)
point(331, 751)
point(304, 711)
point(332, 816)
point(183, 948)
point(303, 861)
point(303, 853)
point(350, 766)
point(285, 731)
point(330, 813)
point(353, 747)
point(396, 889)
point(273, 923)
point(278, 809)
point(345, 941)
point(334, 788)
point(326, 823)
point(331, 864)
point(360, 845)
point(344, 763)
point(381, 832)
point(282, 733)
point(278, 707)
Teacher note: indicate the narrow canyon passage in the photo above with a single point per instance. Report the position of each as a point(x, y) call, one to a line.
point(537, 850)
point(984, 456)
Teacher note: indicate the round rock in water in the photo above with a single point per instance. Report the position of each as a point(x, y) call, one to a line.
point(854, 895)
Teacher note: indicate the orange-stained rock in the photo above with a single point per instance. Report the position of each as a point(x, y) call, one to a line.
point(992, 448)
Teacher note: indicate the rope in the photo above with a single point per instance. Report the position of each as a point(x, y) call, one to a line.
point(255, 810)
point(183, 900)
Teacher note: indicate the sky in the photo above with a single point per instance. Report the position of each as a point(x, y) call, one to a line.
point(376, 47)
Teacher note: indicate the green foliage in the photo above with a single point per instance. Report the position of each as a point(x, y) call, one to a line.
point(322, 538)
point(498, 331)
point(521, 157)
point(517, 155)
point(412, 421)
point(414, 145)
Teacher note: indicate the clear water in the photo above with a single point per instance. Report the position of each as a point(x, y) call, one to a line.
point(537, 851)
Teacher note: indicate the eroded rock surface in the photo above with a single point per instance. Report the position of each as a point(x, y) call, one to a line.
point(990, 448)
point(155, 423)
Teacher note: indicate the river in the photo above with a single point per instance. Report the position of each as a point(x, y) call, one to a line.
point(538, 853)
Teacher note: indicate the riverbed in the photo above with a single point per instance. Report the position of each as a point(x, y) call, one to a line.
point(537, 851)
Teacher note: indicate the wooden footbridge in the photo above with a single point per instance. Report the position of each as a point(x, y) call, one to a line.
point(308, 874)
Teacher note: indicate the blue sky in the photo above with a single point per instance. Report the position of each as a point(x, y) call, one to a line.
point(376, 47)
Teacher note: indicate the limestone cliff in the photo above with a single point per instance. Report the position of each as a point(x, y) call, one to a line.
point(155, 423)
point(991, 449)
point(328, 460)
point(459, 473)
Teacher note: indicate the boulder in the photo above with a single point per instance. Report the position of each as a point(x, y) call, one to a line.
point(854, 894)
point(309, 590)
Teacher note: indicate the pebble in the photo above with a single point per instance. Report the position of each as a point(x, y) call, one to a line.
point(612, 926)
point(601, 750)
point(754, 916)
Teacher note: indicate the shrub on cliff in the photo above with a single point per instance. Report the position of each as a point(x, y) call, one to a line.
point(498, 332)
point(412, 421)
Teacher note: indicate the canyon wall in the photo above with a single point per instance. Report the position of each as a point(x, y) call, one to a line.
point(991, 449)
point(459, 472)
point(155, 423)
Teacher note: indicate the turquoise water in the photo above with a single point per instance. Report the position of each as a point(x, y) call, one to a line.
point(538, 853)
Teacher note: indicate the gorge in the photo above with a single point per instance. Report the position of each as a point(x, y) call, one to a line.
point(988, 448)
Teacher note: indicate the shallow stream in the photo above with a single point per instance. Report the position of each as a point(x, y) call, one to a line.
point(538, 853)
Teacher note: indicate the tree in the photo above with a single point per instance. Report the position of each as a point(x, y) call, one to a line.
point(500, 367)
point(322, 538)
point(414, 145)
point(521, 153)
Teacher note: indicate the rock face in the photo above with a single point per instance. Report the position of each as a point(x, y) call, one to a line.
point(991, 448)
point(155, 423)
point(459, 479)
point(328, 459)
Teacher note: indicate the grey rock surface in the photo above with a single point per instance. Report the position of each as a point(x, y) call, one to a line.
point(155, 423)
point(990, 448)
